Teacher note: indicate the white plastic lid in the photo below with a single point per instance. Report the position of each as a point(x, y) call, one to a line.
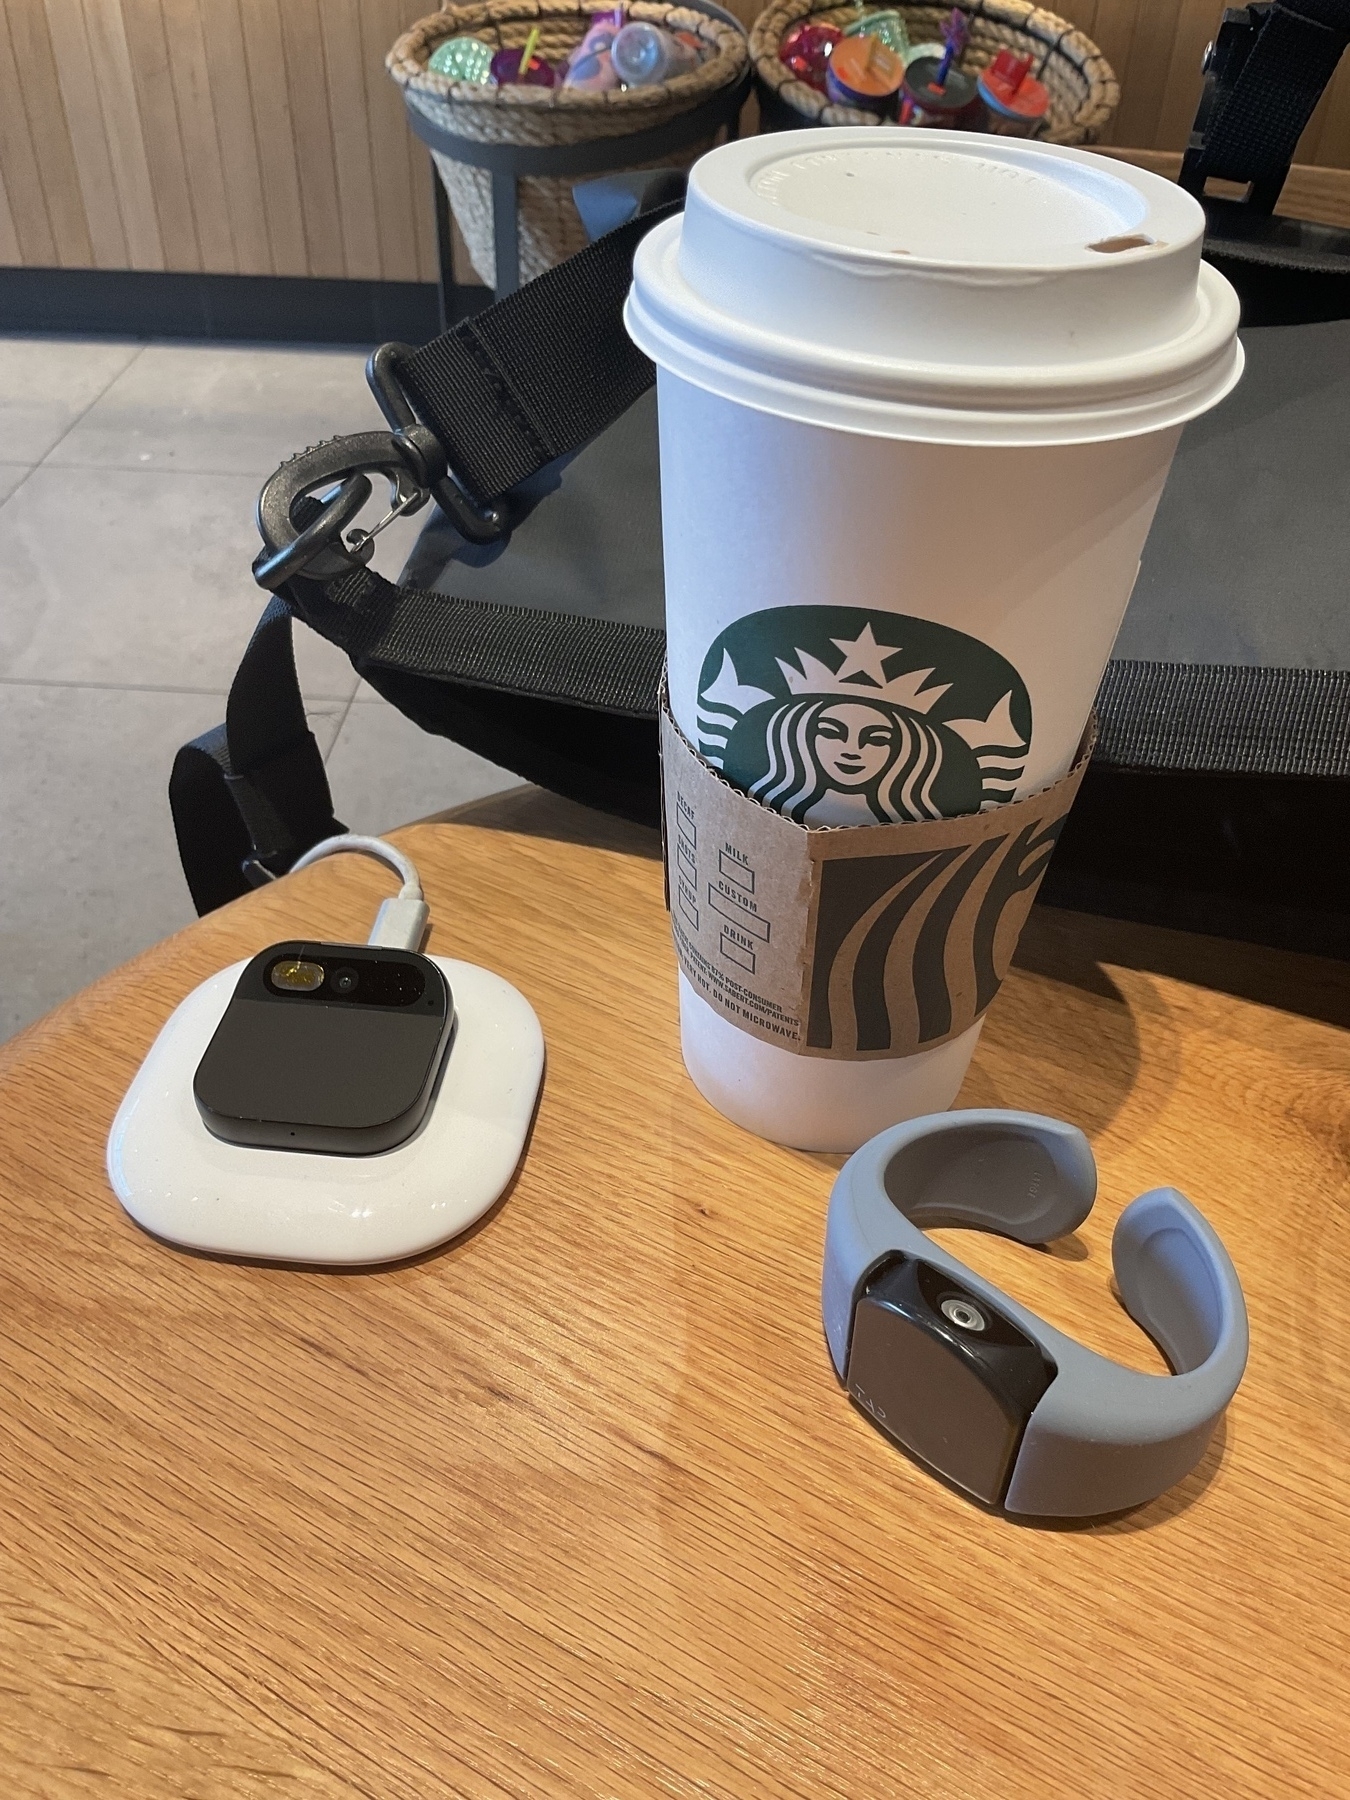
point(938, 285)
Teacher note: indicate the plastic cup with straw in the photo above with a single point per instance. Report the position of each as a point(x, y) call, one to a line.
point(863, 72)
point(938, 93)
point(522, 68)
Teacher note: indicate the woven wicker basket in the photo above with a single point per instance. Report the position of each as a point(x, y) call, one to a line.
point(549, 227)
point(1081, 84)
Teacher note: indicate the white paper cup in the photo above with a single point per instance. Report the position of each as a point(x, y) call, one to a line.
point(918, 396)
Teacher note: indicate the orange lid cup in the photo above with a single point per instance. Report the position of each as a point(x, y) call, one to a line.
point(865, 66)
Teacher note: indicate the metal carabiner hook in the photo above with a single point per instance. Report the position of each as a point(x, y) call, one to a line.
point(299, 541)
point(274, 569)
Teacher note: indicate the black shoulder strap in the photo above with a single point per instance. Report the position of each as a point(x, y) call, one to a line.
point(1265, 72)
point(248, 797)
point(566, 701)
point(540, 373)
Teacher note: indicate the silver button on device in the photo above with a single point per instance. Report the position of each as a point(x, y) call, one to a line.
point(963, 1313)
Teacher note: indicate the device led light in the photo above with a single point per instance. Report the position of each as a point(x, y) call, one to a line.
point(292, 975)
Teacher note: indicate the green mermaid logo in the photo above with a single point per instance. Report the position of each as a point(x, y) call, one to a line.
point(840, 715)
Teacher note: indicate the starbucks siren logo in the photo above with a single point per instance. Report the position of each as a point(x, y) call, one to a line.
point(840, 715)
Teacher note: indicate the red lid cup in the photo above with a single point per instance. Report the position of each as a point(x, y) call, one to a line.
point(1016, 101)
point(863, 72)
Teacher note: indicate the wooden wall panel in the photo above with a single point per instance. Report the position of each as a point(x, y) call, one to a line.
point(349, 120)
point(10, 251)
point(31, 232)
point(263, 137)
point(40, 118)
point(156, 116)
point(404, 214)
point(391, 142)
point(1326, 141)
point(82, 118)
point(237, 135)
point(1309, 193)
point(266, 62)
point(1196, 21)
point(202, 159)
point(306, 80)
point(124, 132)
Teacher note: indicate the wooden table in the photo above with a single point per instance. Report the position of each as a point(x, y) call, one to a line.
point(575, 1506)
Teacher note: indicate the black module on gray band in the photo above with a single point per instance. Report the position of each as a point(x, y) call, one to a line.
point(1010, 1410)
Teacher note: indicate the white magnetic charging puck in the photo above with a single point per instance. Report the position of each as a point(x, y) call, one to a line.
point(191, 1188)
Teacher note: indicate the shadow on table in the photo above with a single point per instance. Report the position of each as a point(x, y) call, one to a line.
point(1078, 948)
point(533, 812)
point(1065, 946)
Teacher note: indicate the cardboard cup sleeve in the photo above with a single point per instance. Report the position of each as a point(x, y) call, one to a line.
point(851, 942)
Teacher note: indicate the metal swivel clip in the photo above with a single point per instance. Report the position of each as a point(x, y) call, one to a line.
point(307, 509)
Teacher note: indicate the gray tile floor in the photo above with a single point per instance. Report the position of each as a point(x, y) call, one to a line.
point(128, 473)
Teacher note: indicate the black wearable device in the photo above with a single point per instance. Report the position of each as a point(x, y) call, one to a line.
point(1009, 1410)
point(960, 1386)
point(329, 1047)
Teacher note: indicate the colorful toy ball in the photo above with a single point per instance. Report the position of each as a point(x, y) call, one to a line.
point(806, 52)
point(462, 59)
point(886, 27)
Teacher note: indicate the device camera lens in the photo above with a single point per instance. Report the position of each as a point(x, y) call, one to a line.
point(344, 981)
point(963, 1313)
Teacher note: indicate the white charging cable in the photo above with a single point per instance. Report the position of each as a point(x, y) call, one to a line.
point(401, 923)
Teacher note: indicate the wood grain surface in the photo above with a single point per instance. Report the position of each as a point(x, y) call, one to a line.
point(574, 1506)
point(250, 137)
point(1155, 47)
point(263, 137)
point(1308, 193)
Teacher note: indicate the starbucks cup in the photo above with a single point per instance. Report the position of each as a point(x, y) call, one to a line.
point(918, 396)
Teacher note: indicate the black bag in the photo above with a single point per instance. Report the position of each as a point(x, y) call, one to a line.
point(1219, 796)
point(490, 420)
point(528, 624)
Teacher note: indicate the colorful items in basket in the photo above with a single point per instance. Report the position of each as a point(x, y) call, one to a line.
point(590, 66)
point(592, 73)
point(938, 93)
point(886, 27)
point(809, 49)
point(522, 68)
point(955, 37)
point(1016, 104)
point(862, 72)
point(646, 55)
point(806, 52)
point(462, 59)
